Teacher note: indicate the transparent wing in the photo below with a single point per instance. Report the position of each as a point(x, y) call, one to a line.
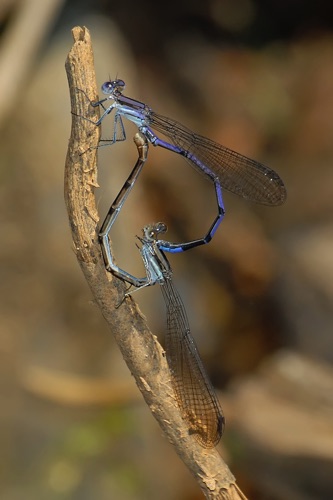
point(195, 394)
point(237, 173)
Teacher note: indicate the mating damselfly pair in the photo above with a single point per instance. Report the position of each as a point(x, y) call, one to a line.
point(225, 168)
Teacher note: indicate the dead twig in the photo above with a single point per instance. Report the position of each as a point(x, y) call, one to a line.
point(140, 349)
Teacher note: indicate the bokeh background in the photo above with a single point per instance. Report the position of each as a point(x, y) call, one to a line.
point(256, 76)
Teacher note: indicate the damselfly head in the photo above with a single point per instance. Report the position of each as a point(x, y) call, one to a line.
point(152, 231)
point(113, 87)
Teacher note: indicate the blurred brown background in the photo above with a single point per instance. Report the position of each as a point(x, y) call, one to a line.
point(255, 76)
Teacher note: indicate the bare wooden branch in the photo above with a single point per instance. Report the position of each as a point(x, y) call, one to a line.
point(140, 349)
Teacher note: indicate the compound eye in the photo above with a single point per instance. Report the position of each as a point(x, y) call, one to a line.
point(119, 84)
point(108, 87)
point(161, 227)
